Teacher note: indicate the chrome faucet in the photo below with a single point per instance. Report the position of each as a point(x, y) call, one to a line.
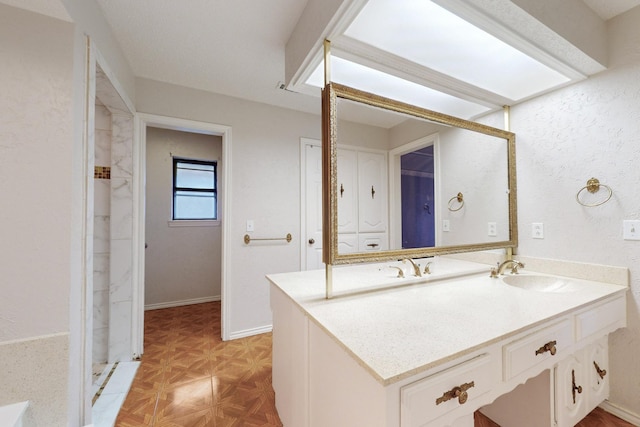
point(416, 267)
point(495, 272)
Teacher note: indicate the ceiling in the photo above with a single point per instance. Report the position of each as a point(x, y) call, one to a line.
point(234, 48)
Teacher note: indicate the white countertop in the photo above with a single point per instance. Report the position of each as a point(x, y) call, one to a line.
point(397, 332)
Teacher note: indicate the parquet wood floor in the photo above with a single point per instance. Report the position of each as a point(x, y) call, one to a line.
point(189, 377)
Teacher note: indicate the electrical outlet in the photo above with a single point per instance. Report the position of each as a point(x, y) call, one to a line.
point(537, 230)
point(492, 229)
point(250, 225)
point(631, 230)
point(445, 225)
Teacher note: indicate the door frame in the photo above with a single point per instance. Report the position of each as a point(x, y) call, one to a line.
point(303, 197)
point(395, 215)
point(142, 121)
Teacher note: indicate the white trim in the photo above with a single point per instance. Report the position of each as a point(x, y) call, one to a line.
point(251, 332)
point(303, 198)
point(622, 413)
point(139, 235)
point(224, 172)
point(180, 303)
point(193, 223)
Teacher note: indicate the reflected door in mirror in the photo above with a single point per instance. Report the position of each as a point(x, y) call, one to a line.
point(418, 199)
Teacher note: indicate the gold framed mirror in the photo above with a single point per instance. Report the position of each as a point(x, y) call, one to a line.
point(473, 202)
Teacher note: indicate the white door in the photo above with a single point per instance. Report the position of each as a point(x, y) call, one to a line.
point(313, 206)
point(347, 191)
point(372, 200)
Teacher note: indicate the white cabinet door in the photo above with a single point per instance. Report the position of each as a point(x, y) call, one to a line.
point(347, 191)
point(571, 389)
point(372, 192)
point(597, 366)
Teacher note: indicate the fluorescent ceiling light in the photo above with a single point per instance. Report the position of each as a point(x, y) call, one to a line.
point(364, 78)
point(427, 34)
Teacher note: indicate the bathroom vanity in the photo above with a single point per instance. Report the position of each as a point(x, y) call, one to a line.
point(435, 349)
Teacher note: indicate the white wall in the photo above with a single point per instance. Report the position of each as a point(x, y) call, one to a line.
point(265, 187)
point(591, 129)
point(36, 143)
point(181, 263)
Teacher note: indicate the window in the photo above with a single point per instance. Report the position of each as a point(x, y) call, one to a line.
point(194, 190)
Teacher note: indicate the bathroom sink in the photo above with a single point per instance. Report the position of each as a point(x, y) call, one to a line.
point(540, 283)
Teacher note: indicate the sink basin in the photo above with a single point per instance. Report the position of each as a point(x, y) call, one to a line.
point(539, 283)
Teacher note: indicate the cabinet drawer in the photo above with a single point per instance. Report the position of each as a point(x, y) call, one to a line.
point(529, 351)
point(423, 400)
point(602, 319)
point(371, 242)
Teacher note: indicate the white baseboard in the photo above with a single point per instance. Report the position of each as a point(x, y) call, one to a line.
point(180, 303)
point(251, 332)
point(621, 413)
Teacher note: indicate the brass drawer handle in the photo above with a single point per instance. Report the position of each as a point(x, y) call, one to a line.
point(601, 372)
point(550, 347)
point(459, 392)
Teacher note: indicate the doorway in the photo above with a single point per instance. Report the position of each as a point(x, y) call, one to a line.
point(183, 246)
point(417, 194)
point(414, 193)
point(144, 122)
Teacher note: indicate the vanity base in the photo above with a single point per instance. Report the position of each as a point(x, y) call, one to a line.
point(553, 370)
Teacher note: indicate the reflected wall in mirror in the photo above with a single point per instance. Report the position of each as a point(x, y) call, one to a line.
point(408, 182)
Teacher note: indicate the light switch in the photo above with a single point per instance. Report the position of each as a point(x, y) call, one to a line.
point(537, 230)
point(631, 230)
point(249, 225)
point(445, 225)
point(492, 229)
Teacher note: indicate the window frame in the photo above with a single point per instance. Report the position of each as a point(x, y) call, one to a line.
point(175, 188)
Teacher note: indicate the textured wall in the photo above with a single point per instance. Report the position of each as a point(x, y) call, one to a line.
point(264, 187)
point(36, 140)
point(590, 129)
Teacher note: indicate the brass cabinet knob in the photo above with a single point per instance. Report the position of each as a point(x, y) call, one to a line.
point(461, 395)
point(311, 241)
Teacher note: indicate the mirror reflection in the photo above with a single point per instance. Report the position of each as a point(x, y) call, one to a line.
point(409, 182)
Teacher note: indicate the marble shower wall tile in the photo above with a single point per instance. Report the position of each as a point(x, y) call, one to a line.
point(101, 234)
point(100, 345)
point(102, 118)
point(119, 335)
point(120, 287)
point(102, 197)
point(101, 269)
point(122, 146)
point(100, 309)
point(103, 147)
point(121, 208)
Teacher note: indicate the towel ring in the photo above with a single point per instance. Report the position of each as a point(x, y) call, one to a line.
point(459, 198)
point(593, 186)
